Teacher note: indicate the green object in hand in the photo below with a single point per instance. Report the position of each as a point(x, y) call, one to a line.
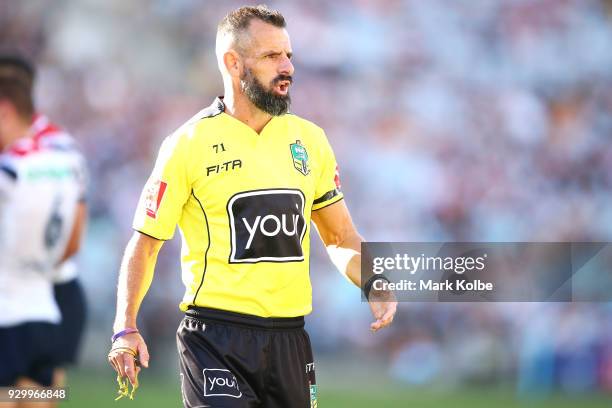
point(124, 387)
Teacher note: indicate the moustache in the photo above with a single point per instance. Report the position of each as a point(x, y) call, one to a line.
point(282, 78)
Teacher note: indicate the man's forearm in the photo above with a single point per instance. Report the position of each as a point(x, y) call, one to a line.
point(135, 278)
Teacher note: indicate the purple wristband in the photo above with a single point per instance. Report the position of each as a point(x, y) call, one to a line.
point(123, 333)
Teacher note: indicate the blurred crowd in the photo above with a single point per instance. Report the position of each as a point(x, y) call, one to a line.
point(451, 120)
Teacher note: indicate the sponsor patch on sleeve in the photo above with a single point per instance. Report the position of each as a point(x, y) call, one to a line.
point(337, 177)
point(154, 196)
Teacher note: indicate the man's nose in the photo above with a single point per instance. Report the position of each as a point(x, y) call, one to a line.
point(286, 67)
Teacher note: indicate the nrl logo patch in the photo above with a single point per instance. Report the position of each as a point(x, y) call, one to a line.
point(300, 157)
point(313, 396)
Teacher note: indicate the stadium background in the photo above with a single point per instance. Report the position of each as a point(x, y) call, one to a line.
point(452, 120)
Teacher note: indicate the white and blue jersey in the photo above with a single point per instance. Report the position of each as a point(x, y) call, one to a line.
point(42, 180)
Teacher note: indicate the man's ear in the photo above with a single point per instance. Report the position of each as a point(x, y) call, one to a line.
point(233, 63)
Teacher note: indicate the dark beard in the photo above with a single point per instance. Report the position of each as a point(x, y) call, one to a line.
point(263, 99)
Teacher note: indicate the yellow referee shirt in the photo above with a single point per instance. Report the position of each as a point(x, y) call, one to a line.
point(242, 202)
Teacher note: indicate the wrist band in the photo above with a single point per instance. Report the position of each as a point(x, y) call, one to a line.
point(370, 283)
point(123, 333)
point(125, 350)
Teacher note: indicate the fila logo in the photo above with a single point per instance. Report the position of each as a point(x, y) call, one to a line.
point(219, 382)
point(267, 226)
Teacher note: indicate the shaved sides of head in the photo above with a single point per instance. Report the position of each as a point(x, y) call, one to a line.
point(232, 28)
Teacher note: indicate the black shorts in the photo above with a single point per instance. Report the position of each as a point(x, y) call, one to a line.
point(71, 302)
point(230, 360)
point(28, 350)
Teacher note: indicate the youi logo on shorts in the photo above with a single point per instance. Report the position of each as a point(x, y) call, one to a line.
point(267, 226)
point(219, 382)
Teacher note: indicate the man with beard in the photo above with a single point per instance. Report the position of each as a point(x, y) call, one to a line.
point(242, 179)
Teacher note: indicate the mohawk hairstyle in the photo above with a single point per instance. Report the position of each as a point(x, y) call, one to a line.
point(238, 20)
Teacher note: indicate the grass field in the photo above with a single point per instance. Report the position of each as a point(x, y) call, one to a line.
point(98, 391)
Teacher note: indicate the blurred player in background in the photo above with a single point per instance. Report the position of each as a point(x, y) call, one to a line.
point(242, 179)
point(42, 213)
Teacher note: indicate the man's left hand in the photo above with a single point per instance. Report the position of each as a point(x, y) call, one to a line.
point(383, 306)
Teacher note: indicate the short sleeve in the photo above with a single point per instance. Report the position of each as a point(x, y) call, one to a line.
point(8, 176)
point(327, 190)
point(8, 179)
point(166, 191)
point(82, 177)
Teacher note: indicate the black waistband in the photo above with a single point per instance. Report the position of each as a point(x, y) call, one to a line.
point(224, 316)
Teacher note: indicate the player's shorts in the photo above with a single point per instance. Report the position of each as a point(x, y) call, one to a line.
point(71, 302)
point(231, 360)
point(28, 350)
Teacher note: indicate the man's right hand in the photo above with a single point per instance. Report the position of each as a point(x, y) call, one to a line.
point(123, 354)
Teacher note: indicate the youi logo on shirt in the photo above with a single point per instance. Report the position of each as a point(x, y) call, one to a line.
point(219, 382)
point(267, 226)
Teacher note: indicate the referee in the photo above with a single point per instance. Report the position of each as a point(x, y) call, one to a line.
point(242, 179)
